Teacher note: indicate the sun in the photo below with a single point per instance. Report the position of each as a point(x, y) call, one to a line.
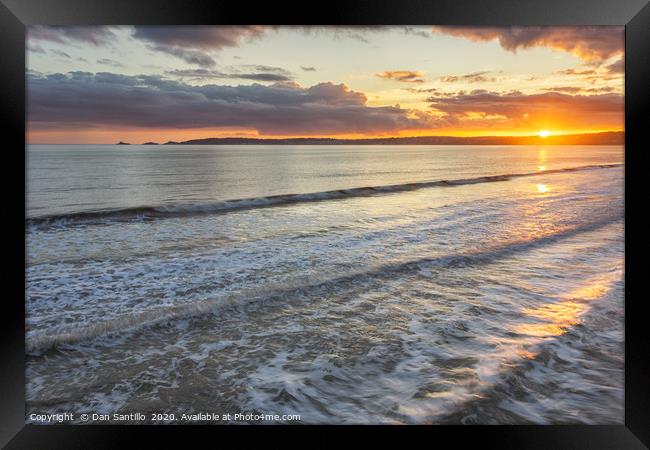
point(544, 133)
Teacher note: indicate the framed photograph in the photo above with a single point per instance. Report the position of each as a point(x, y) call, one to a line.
point(410, 216)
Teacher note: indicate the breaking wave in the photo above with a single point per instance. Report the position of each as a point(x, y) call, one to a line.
point(143, 213)
point(46, 341)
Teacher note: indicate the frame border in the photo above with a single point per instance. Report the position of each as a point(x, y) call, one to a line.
point(15, 15)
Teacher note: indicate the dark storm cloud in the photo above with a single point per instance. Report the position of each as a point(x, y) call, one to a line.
point(84, 100)
point(588, 43)
point(95, 35)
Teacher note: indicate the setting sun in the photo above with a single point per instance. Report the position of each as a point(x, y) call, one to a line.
point(544, 133)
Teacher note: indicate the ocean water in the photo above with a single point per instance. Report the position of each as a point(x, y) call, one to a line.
point(344, 284)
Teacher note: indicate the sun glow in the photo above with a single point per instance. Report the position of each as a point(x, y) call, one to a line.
point(544, 133)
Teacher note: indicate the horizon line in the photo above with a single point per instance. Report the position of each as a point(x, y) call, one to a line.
point(530, 136)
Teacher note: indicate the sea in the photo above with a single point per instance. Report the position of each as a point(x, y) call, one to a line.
point(325, 284)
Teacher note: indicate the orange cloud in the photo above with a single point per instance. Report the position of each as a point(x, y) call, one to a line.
point(593, 44)
point(516, 110)
point(406, 76)
point(616, 67)
point(475, 77)
point(577, 89)
point(577, 72)
point(81, 106)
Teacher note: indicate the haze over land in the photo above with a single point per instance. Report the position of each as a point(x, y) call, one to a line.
point(605, 138)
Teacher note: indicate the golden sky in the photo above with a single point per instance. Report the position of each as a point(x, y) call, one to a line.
point(103, 84)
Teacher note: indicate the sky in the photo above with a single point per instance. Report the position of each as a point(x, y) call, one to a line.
point(105, 84)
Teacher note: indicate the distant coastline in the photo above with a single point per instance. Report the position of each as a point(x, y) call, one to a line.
point(604, 138)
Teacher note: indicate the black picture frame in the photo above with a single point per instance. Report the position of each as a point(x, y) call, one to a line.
point(15, 15)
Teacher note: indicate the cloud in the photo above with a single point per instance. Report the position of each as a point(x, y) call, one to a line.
point(421, 90)
point(95, 35)
point(360, 32)
point(109, 62)
point(593, 44)
point(600, 89)
point(193, 44)
point(271, 74)
point(60, 53)
point(516, 109)
point(577, 89)
point(565, 89)
point(613, 71)
point(475, 77)
point(196, 57)
point(308, 68)
point(206, 37)
point(577, 72)
point(83, 100)
point(35, 48)
point(616, 67)
point(417, 31)
point(264, 68)
point(406, 76)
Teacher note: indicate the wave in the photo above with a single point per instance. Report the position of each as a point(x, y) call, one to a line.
point(143, 213)
point(43, 342)
point(589, 342)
